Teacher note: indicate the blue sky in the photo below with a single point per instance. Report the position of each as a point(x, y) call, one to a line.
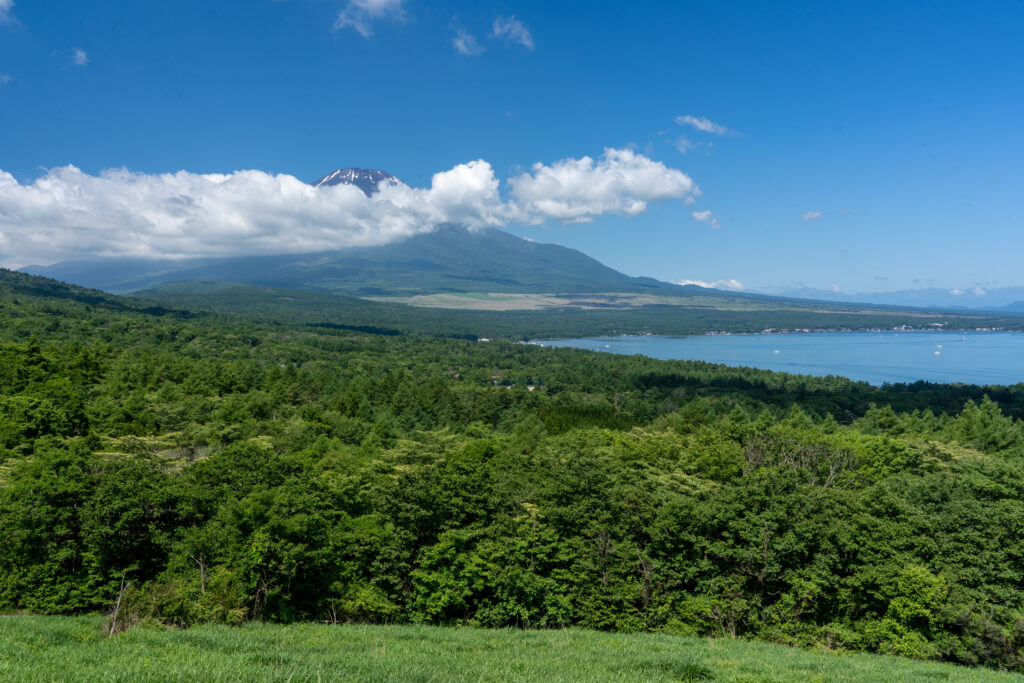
point(867, 145)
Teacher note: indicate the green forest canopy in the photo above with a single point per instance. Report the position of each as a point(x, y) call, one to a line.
point(234, 470)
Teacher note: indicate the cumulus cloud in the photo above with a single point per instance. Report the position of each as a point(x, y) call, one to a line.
point(730, 285)
point(811, 216)
point(360, 15)
point(706, 217)
point(5, 10)
point(703, 124)
point(578, 190)
point(465, 43)
point(514, 30)
point(67, 213)
point(79, 58)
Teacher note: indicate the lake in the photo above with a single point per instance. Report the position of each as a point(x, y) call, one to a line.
point(875, 357)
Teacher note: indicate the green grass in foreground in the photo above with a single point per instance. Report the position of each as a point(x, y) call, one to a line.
point(74, 648)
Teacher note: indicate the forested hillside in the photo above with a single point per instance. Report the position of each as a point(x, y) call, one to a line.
point(221, 469)
point(697, 313)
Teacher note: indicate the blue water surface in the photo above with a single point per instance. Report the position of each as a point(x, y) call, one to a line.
point(875, 357)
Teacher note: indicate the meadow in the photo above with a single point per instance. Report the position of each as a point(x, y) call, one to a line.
point(76, 648)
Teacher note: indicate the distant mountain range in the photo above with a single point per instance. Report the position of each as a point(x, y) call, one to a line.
point(1006, 299)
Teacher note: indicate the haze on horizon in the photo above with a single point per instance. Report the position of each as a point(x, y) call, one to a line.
point(847, 147)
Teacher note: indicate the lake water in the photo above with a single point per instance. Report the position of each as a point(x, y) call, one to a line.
point(875, 357)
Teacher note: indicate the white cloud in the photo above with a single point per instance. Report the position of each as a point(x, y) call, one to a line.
point(731, 285)
point(360, 14)
point(70, 214)
point(706, 217)
point(79, 58)
point(703, 124)
point(684, 144)
point(514, 30)
point(578, 190)
point(834, 288)
point(5, 79)
point(67, 213)
point(811, 216)
point(976, 291)
point(465, 43)
point(5, 10)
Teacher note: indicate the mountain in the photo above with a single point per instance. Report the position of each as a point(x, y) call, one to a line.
point(365, 179)
point(930, 297)
point(449, 259)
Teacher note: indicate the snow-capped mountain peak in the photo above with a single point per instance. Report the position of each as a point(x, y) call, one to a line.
point(365, 179)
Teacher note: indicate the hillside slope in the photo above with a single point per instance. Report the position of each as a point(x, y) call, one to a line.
point(450, 259)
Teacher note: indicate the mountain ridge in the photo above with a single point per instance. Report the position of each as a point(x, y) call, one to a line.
point(448, 259)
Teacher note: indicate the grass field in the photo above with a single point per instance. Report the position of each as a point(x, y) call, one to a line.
point(510, 301)
point(75, 649)
point(624, 301)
